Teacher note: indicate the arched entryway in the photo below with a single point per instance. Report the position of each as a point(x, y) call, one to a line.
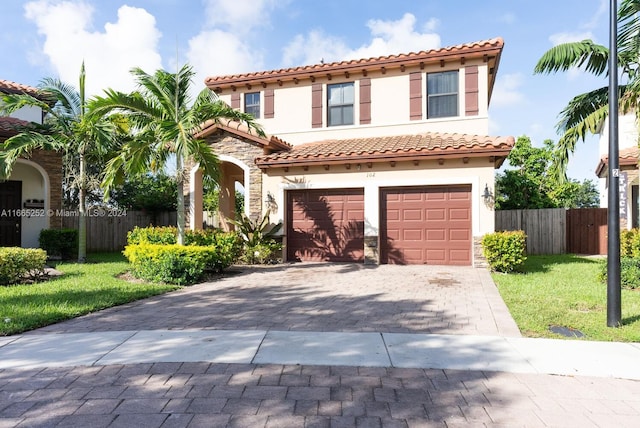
point(25, 205)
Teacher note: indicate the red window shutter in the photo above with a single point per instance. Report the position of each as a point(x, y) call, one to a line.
point(316, 105)
point(269, 112)
point(365, 101)
point(471, 91)
point(415, 96)
point(235, 100)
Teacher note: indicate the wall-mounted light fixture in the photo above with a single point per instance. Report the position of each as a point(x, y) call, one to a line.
point(487, 195)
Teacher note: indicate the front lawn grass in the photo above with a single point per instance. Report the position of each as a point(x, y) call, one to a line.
point(563, 290)
point(84, 288)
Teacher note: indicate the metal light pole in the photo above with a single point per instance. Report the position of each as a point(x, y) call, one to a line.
point(613, 219)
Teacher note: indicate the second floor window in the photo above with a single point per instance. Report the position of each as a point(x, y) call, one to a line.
point(340, 99)
point(442, 94)
point(252, 104)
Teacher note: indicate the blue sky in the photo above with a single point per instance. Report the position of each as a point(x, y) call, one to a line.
point(50, 38)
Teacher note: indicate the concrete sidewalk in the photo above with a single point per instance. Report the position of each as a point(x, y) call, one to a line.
point(315, 345)
point(429, 351)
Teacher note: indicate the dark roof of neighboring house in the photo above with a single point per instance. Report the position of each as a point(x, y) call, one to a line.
point(489, 50)
point(627, 158)
point(8, 126)
point(389, 149)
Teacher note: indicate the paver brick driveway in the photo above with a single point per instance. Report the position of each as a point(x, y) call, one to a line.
point(321, 297)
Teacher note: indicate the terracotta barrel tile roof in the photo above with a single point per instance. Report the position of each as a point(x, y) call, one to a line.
point(491, 47)
point(9, 87)
point(9, 125)
point(389, 148)
point(627, 157)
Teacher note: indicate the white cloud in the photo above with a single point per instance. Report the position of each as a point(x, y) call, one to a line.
point(507, 90)
point(388, 37)
point(239, 16)
point(568, 37)
point(213, 53)
point(507, 18)
point(132, 41)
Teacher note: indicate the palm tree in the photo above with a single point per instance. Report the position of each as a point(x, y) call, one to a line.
point(585, 113)
point(165, 126)
point(66, 128)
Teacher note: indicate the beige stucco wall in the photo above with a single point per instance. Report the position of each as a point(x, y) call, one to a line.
point(35, 185)
point(389, 107)
point(478, 172)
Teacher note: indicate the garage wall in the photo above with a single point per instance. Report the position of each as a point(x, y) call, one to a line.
point(477, 173)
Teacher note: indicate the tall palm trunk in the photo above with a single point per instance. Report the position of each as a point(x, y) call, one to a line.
point(82, 211)
point(180, 208)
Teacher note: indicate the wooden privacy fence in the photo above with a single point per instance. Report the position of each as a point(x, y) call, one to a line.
point(107, 229)
point(545, 228)
point(558, 230)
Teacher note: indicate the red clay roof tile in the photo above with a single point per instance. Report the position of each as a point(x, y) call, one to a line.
point(627, 157)
point(8, 126)
point(9, 87)
point(399, 147)
point(493, 46)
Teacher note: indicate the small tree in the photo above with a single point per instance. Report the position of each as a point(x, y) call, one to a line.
point(533, 183)
point(164, 125)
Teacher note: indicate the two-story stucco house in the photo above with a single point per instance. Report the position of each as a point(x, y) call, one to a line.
point(32, 193)
point(381, 160)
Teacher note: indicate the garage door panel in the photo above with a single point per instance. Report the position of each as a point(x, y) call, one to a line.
point(441, 234)
point(459, 214)
point(325, 225)
point(412, 214)
point(436, 214)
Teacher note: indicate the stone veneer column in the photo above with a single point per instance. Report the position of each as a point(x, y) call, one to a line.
point(479, 260)
point(245, 152)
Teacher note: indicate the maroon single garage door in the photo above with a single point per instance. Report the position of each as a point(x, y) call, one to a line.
point(325, 225)
point(426, 225)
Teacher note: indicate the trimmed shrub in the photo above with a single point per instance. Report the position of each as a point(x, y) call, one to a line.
point(21, 264)
point(505, 251)
point(261, 253)
point(173, 264)
point(59, 243)
point(629, 272)
point(152, 235)
point(630, 243)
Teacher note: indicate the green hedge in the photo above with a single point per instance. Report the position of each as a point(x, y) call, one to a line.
point(629, 272)
point(169, 235)
point(20, 264)
point(183, 264)
point(630, 243)
point(505, 251)
point(59, 243)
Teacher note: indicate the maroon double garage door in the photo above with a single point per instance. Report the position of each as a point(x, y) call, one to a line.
point(418, 225)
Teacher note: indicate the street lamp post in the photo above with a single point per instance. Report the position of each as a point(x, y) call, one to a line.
point(613, 216)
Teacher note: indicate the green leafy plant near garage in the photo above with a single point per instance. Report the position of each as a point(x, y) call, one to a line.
point(259, 239)
point(505, 251)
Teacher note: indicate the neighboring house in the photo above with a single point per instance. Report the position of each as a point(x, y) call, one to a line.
point(628, 160)
point(32, 195)
point(386, 160)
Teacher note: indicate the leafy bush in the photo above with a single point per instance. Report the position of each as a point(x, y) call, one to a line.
point(20, 264)
point(173, 264)
point(59, 243)
point(505, 251)
point(630, 243)
point(629, 272)
point(152, 235)
point(258, 237)
point(263, 253)
point(152, 193)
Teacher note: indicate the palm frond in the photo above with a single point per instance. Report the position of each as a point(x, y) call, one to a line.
point(587, 54)
point(580, 107)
